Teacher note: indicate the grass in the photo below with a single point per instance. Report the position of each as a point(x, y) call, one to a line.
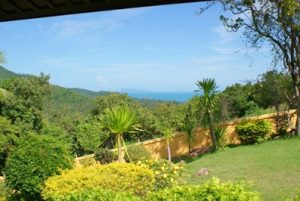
point(273, 167)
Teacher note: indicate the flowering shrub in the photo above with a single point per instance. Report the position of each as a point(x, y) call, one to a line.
point(212, 190)
point(166, 173)
point(95, 194)
point(117, 177)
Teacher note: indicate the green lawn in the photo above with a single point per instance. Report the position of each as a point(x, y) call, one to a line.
point(273, 167)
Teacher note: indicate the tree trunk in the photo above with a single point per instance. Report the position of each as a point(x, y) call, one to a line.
point(169, 151)
point(297, 94)
point(120, 159)
point(212, 131)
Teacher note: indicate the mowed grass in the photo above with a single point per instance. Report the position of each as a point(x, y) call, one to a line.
point(273, 167)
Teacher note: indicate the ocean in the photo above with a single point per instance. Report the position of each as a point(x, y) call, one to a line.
point(165, 96)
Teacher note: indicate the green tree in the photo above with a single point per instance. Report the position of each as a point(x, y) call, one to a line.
point(119, 120)
point(189, 126)
point(273, 89)
point(168, 135)
point(35, 159)
point(27, 105)
point(238, 100)
point(110, 101)
point(207, 101)
point(90, 136)
point(8, 139)
point(276, 23)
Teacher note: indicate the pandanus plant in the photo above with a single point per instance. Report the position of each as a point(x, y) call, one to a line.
point(207, 101)
point(119, 120)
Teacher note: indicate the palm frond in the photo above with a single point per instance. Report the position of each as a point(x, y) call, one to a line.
point(119, 120)
point(221, 133)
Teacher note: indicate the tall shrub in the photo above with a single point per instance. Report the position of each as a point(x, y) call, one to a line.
point(251, 132)
point(33, 161)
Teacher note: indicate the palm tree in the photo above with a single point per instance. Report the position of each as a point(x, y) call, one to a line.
point(189, 126)
point(119, 120)
point(208, 100)
point(168, 135)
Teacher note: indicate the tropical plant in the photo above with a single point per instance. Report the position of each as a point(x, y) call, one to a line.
point(207, 101)
point(119, 120)
point(168, 135)
point(189, 126)
point(220, 133)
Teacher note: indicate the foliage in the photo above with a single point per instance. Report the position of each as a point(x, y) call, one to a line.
point(104, 155)
point(90, 136)
point(237, 100)
point(87, 161)
point(5, 192)
point(212, 190)
point(30, 94)
point(251, 132)
point(95, 194)
point(221, 133)
point(168, 136)
point(118, 177)
point(167, 174)
point(119, 120)
point(207, 103)
point(8, 139)
point(137, 153)
point(110, 101)
point(276, 23)
point(34, 160)
point(189, 126)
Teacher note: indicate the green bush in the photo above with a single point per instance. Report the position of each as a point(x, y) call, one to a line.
point(137, 153)
point(210, 191)
point(87, 161)
point(118, 177)
point(105, 156)
point(166, 173)
point(253, 131)
point(5, 192)
point(33, 161)
point(96, 194)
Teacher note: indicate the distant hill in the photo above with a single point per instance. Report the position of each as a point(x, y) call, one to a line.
point(90, 93)
point(6, 74)
point(73, 100)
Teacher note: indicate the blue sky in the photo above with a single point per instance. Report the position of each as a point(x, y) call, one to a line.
point(164, 48)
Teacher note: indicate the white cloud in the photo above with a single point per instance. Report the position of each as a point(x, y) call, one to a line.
point(100, 23)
